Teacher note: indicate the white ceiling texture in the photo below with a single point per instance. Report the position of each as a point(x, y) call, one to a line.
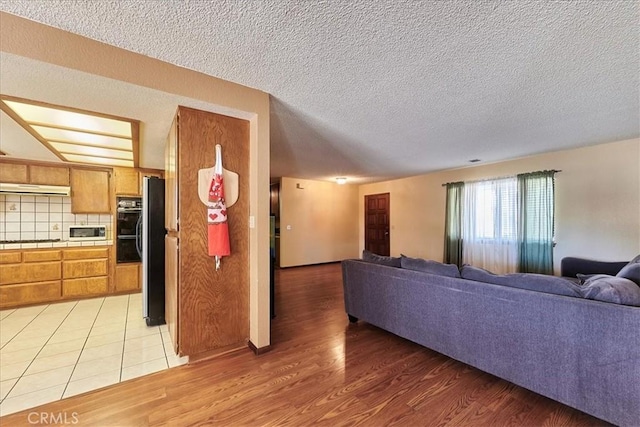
point(378, 89)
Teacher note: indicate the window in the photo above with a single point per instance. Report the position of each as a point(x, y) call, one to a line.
point(503, 225)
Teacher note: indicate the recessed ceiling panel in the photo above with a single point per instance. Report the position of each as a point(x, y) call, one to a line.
point(75, 135)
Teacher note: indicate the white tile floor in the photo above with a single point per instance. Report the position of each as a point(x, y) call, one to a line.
point(50, 352)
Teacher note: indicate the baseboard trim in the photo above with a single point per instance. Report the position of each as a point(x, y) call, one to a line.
point(258, 351)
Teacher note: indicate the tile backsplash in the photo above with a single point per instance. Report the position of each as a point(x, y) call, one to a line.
point(43, 217)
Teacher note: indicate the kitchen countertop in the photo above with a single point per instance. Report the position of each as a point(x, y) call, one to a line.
point(60, 244)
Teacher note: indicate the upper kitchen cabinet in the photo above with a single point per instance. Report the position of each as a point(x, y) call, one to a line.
point(33, 173)
point(90, 191)
point(127, 181)
point(48, 175)
point(171, 183)
point(14, 173)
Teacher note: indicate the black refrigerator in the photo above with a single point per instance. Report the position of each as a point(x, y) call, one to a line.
point(151, 234)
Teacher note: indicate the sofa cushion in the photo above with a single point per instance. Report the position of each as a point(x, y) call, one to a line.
point(619, 290)
point(631, 271)
point(530, 281)
point(380, 259)
point(429, 266)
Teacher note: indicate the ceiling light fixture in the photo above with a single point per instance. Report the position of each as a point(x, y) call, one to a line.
point(341, 180)
point(77, 135)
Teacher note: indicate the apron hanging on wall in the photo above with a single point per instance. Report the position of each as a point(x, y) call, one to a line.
point(217, 226)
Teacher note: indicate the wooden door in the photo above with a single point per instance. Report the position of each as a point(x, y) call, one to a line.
point(376, 223)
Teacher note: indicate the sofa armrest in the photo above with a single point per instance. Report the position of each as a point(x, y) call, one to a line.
point(571, 266)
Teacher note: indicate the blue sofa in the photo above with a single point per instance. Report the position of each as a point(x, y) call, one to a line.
point(581, 352)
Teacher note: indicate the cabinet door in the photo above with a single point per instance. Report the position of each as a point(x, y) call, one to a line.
point(127, 181)
point(14, 173)
point(171, 288)
point(127, 277)
point(171, 179)
point(90, 191)
point(48, 175)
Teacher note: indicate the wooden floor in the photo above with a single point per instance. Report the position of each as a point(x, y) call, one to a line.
point(321, 370)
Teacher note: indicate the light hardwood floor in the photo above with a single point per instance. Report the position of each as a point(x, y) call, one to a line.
point(321, 370)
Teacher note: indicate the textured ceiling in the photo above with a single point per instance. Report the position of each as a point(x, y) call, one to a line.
point(380, 89)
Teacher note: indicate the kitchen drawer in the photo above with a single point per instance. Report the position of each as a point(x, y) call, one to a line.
point(39, 256)
point(84, 268)
point(26, 273)
point(85, 286)
point(10, 257)
point(92, 253)
point(29, 293)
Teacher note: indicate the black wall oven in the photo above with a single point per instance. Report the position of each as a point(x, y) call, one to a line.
point(127, 227)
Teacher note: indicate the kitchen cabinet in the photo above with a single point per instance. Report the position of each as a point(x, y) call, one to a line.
point(48, 175)
point(127, 181)
point(85, 271)
point(29, 277)
point(32, 276)
point(90, 191)
point(171, 288)
point(34, 173)
point(14, 173)
point(171, 175)
point(127, 277)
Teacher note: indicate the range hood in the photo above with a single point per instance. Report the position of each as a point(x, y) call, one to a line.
point(45, 190)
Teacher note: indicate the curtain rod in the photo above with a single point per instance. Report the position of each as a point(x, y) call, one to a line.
point(500, 177)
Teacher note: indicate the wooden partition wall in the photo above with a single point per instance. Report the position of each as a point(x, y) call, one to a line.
point(212, 306)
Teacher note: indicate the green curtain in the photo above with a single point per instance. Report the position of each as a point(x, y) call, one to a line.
point(453, 224)
point(536, 224)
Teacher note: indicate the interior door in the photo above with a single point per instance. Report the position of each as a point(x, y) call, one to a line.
point(376, 220)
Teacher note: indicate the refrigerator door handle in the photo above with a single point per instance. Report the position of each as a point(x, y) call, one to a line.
point(139, 236)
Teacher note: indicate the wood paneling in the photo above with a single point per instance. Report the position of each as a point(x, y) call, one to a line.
point(39, 256)
point(127, 277)
point(213, 305)
point(15, 173)
point(85, 286)
point(87, 253)
point(84, 268)
point(30, 293)
point(90, 191)
point(49, 175)
point(321, 371)
point(25, 273)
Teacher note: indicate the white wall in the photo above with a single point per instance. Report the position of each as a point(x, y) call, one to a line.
point(322, 220)
point(597, 202)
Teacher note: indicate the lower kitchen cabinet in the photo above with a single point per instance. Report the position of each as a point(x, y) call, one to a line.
point(127, 277)
point(29, 293)
point(85, 286)
point(32, 276)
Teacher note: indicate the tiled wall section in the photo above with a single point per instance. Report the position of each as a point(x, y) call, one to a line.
point(42, 217)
